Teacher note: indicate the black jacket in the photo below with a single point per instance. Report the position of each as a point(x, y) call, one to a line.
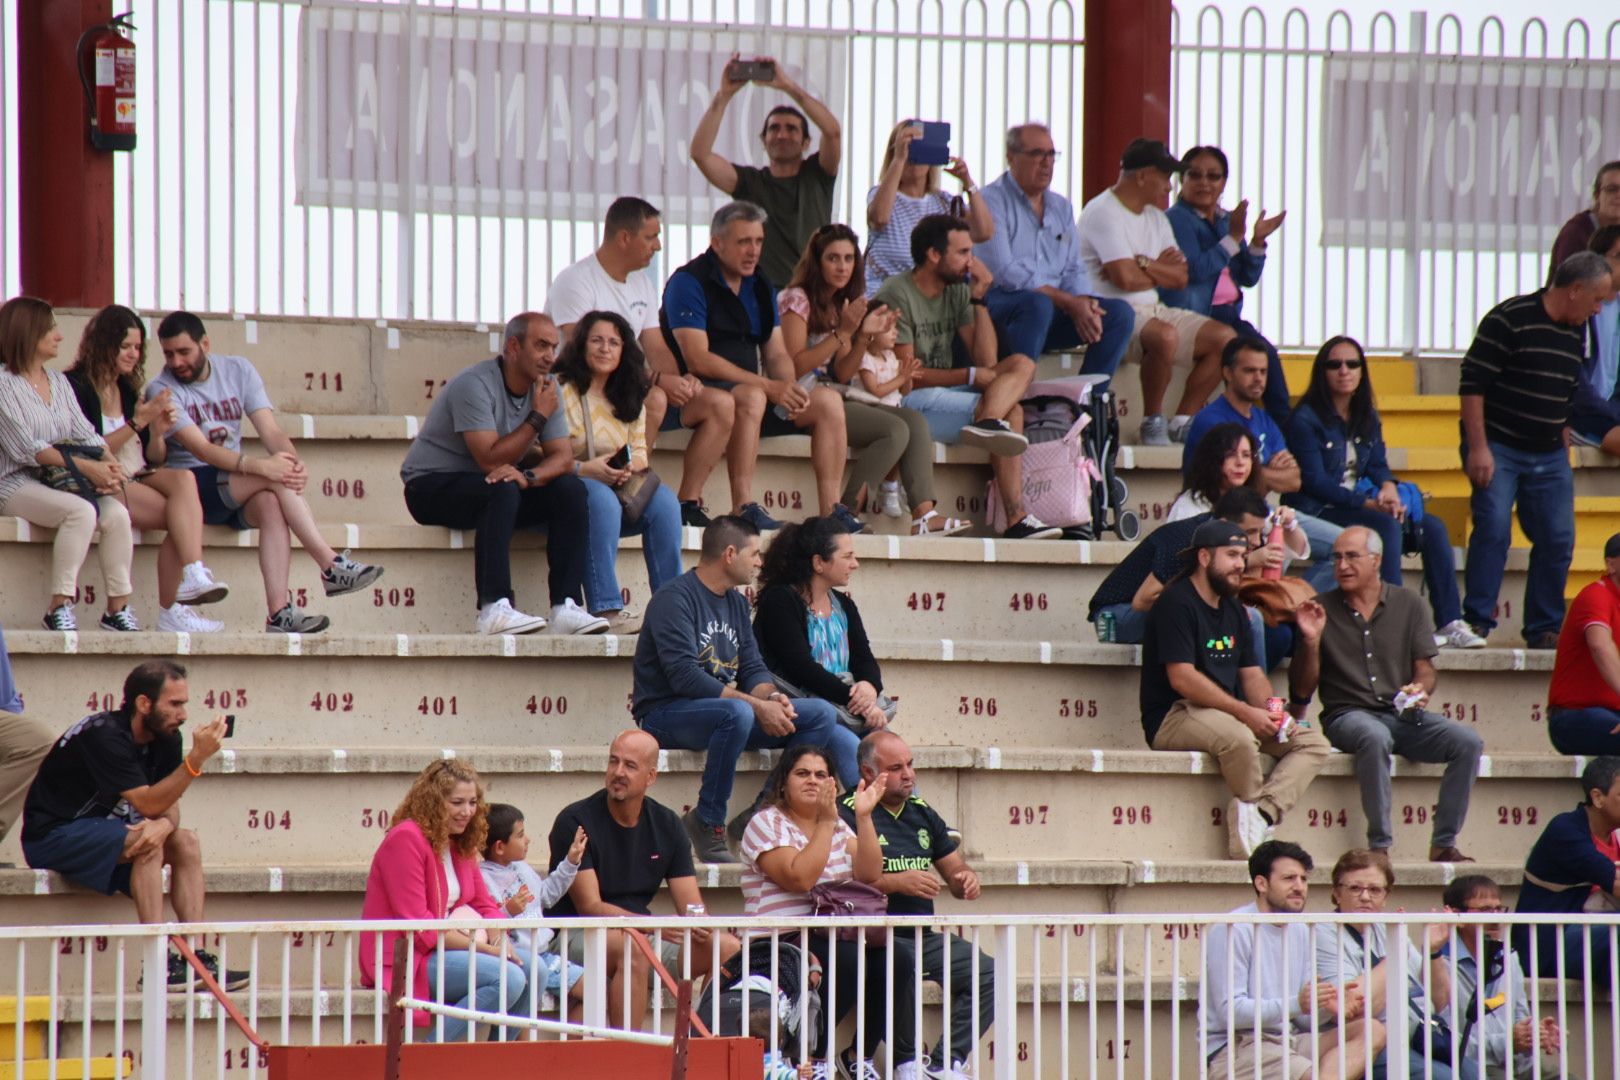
point(90, 403)
point(780, 615)
point(730, 335)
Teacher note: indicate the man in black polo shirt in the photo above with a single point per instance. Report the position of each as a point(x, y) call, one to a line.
point(719, 319)
point(1374, 663)
point(1203, 689)
point(104, 811)
point(916, 843)
point(1518, 382)
point(636, 845)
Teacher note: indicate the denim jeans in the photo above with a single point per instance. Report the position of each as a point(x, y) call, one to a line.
point(1028, 322)
point(948, 409)
point(1589, 731)
point(486, 995)
point(1439, 561)
point(659, 528)
point(1371, 737)
point(1322, 534)
point(1544, 491)
point(725, 727)
point(1420, 1067)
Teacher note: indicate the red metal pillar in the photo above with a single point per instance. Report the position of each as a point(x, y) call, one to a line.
point(65, 188)
point(1127, 83)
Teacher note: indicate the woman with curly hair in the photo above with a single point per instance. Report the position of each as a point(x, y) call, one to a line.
point(603, 377)
point(427, 868)
point(1224, 459)
point(107, 377)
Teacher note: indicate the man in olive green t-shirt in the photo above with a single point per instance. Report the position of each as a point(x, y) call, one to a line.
point(796, 191)
point(977, 402)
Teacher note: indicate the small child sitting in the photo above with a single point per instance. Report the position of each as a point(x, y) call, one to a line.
point(880, 374)
point(779, 1063)
point(524, 894)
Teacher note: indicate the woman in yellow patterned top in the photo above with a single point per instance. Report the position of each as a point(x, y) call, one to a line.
point(603, 376)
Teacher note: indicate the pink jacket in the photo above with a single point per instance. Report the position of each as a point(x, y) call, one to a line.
point(407, 882)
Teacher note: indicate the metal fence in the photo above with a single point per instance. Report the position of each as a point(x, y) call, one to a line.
point(1076, 997)
point(208, 214)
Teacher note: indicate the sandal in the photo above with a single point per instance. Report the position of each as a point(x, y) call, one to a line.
point(924, 526)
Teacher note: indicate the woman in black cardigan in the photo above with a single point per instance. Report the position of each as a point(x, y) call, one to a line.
point(810, 633)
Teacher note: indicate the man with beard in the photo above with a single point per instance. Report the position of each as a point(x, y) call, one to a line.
point(967, 395)
point(104, 811)
point(636, 845)
point(1203, 689)
point(212, 395)
point(796, 191)
point(1256, 975)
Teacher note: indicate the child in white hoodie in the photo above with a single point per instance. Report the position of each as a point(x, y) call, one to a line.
point(524, 894)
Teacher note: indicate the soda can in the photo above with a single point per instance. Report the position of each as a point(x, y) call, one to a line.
point(1277, 709)
point(1105, 626)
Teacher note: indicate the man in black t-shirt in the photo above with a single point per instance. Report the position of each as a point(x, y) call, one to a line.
point(636, 844)
point(916, 844)
point(1203, 689)
point(104, 811)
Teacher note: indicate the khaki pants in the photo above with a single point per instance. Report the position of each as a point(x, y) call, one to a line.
point(1238, 750)
point(76, 525)
point(24, 741)
point(1276, 1061)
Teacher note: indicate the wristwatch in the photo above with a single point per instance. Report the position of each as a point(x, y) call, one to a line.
point(1142, 262)
point(528, 476)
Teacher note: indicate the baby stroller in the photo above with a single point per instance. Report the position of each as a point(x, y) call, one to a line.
point(1052, 410)
point(744, 984)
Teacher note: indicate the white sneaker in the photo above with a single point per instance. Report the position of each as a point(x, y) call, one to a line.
point(569, 618)
point(1457, 634)
point(197, 586)
point(180, 619)
point(625, 621)
point(890, 503)
point(501, 617)
point(906, 1070)
point(1177, 430)
point(1245, 828)
point(958, 1070)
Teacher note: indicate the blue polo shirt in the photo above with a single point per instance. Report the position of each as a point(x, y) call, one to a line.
point(1221, 411)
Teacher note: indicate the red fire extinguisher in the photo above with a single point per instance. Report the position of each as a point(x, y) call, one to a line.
point(107, 72)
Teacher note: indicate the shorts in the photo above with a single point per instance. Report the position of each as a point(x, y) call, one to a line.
point(551, 967)
point(214, 490)
point(672, 419)
point(772, 425)
point(86, 851)
point(1187, 324)
point(669, 952)
point(1591, 422)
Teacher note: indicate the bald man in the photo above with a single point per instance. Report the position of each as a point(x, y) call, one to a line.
point(636, 845)
point(494, 456)
point(922, 855)
point(1370, 649)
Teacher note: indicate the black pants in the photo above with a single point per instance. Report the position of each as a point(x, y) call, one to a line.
point(495, 512)
point(936, 946)
point(841, 997)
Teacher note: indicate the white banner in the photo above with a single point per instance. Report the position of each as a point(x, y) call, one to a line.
point(1461, 153)
point(528, 115)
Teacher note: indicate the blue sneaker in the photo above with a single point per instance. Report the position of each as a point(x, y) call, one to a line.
point(846, 517)
point(755, 515)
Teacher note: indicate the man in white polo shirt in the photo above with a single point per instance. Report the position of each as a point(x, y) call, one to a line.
point(1130, 252)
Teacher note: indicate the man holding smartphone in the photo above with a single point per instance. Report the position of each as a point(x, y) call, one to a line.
point(796, 191)
point(494, 456)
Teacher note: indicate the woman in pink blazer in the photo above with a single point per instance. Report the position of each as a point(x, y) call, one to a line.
point(427, 868)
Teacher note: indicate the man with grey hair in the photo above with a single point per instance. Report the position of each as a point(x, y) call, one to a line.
point(719, 320)
point(1130, 251)
point(1518, 384)
point(1374, 665)
point(494, 455)
point(1041, 297)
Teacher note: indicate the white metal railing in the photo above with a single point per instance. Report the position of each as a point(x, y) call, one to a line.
point(1073, 996)
point(209, 212)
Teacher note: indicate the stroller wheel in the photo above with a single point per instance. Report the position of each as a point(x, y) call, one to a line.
point(1127, 526)
point(1118, 490)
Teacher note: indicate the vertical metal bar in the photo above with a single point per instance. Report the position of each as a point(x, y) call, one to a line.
point(1035, 999)
point(154, 1005)
point(317, 996)
point(1006, 1023)
point(1119, 1001)
point(206, 101)
point(1065, 993)
point(158, 223)
point(230, 155)
point(1418, 34)
point(595, 976)
point(1147, 997)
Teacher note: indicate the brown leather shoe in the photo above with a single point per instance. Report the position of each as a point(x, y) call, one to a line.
point(1447, 854)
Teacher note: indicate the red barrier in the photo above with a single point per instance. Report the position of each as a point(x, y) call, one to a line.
point(712, 1059)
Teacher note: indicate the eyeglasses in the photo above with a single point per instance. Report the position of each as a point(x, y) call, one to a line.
point(1212, 177)
point(1492, 909)
point(1609, 189)
point(1340, 365)
point(1348, 556)
point(1042, 155)
point(1372, 892)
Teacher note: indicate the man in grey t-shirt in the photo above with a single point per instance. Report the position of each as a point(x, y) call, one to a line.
point(494, 455)
point(211, 395)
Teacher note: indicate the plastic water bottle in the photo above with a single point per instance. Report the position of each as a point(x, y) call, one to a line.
point(807, 383)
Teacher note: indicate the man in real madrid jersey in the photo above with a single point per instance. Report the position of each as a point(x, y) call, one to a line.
point(921, 856)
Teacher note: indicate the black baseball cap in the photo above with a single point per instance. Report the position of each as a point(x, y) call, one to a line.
point(1611, 550)
point(1149, 153)
point(1216, 533)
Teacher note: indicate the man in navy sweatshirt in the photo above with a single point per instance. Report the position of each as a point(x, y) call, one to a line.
point(1572, 870)
point(700, 683)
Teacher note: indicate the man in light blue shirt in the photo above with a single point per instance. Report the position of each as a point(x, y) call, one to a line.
point(1594, 415)
point(1040, 297)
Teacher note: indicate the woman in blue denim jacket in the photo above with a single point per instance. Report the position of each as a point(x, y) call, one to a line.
point(1220, 262)
point(1337, 438)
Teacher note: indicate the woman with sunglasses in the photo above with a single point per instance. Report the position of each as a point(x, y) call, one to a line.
point(1223, 258)
point(1345, 478)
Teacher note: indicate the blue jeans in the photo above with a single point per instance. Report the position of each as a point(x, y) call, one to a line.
point(1439, 561)
point(1322, 534)
point(486, 995)
point(1276, 400)
point(725, 727)
point(1029, 323)
point(1544, 490)
point(659, 527)
point(1584, 731)
point(1467, 1067)
point(948, 409)
point(1577, 960)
